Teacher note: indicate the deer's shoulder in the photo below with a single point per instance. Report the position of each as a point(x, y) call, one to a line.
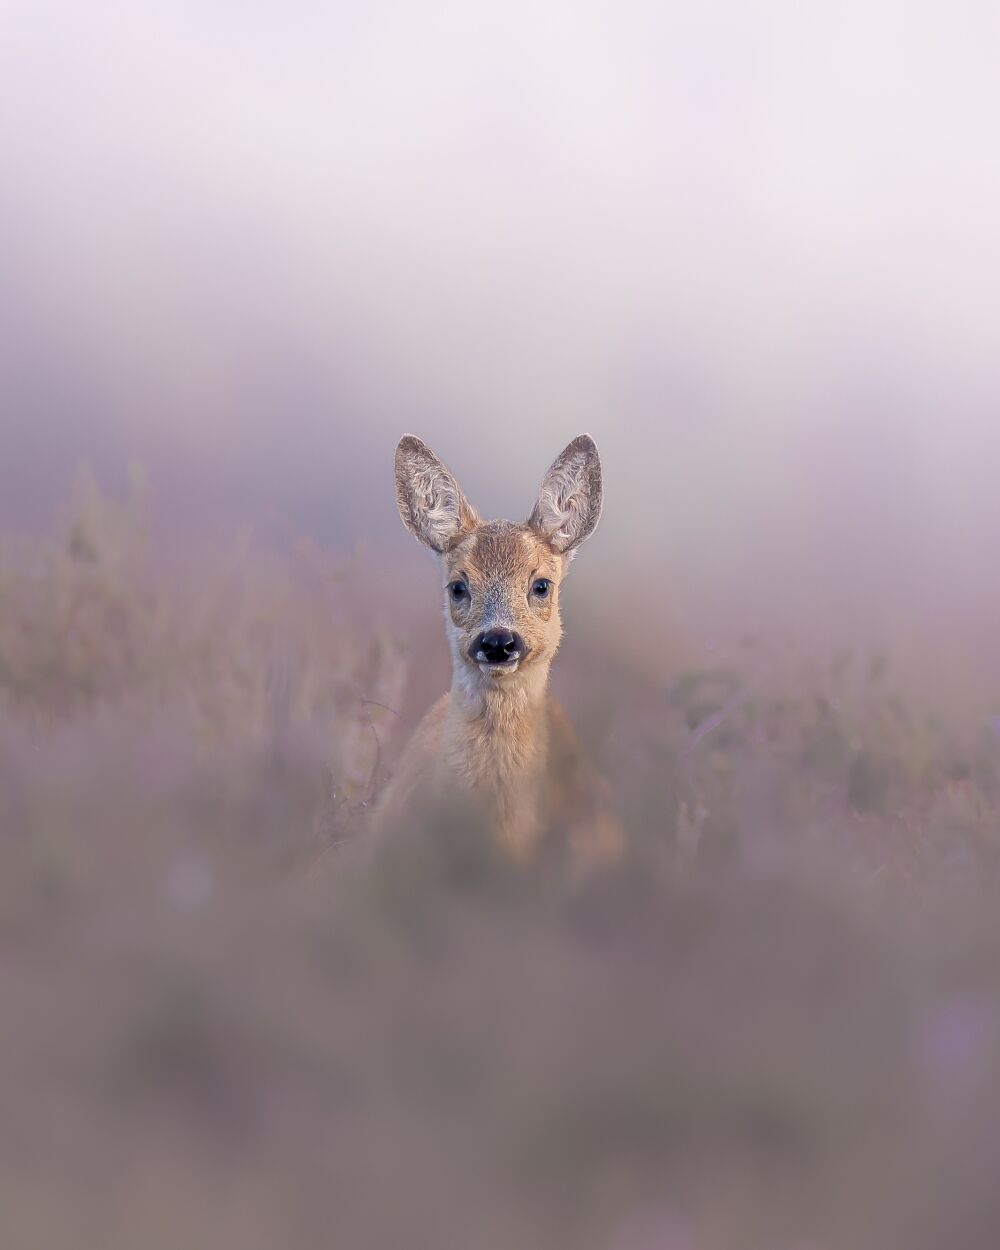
point(413, 777)
point(577, 799)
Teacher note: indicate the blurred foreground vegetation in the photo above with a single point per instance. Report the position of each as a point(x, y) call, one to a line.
point(229, 1022)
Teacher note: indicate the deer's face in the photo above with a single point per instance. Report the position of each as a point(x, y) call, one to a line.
point(502, 599)
point(501, 580)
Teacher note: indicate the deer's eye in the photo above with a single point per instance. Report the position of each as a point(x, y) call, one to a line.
point(458, 591)
point(541, 587)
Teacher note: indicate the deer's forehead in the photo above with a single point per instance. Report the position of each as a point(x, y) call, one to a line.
point(504, 551)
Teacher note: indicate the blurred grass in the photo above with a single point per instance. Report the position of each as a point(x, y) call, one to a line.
point(230, 1022)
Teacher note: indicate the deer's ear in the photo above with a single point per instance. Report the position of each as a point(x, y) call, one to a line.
point(430, 500)
point(569, 502)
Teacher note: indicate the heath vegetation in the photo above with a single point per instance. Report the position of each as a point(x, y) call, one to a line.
point(229, 1021)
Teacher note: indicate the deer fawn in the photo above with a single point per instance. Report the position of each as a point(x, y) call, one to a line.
point(497, 739)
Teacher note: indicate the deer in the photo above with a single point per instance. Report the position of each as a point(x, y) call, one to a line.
point(497, 741)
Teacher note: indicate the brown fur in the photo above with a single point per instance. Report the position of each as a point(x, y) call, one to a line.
point(498, 740)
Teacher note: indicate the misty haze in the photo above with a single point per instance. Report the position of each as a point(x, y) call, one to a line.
point(753, 251)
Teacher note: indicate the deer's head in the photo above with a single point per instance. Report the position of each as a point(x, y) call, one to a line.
point(500, 579)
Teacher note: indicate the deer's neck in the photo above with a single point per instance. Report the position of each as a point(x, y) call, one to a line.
point(496, 732)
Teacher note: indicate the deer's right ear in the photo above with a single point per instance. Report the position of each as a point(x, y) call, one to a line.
point(430, 500)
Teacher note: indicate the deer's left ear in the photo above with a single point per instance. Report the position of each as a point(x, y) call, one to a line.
point(569, 501)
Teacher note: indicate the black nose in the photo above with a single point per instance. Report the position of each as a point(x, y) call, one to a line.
point(497, 646)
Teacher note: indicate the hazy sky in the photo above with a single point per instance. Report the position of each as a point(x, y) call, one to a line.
point(751, 247)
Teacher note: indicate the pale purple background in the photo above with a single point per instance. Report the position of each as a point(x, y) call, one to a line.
point(752, 248)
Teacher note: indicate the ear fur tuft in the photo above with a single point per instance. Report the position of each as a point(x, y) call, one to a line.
point(571, 495)
point(430, 500)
